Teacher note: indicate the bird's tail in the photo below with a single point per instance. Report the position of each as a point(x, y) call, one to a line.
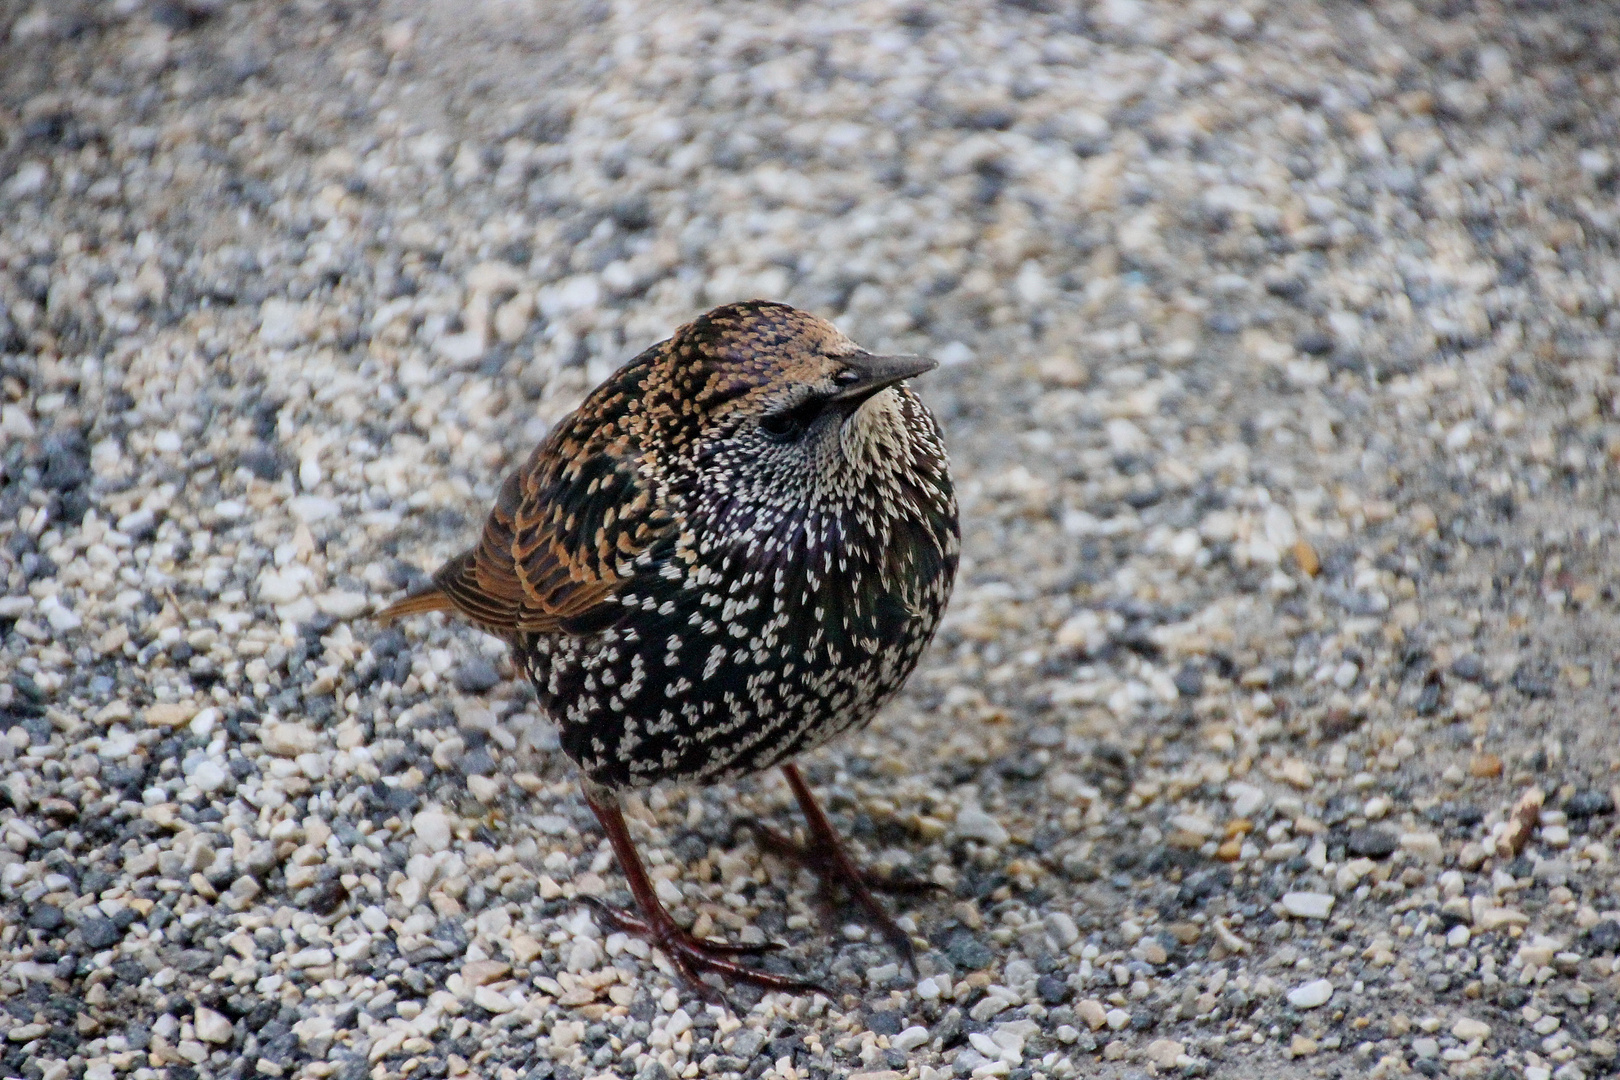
point(432, 598)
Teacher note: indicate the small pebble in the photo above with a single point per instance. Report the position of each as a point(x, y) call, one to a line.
point(973, 823)
point(1425, 845)
point(1372, 843)
point(1310, 995)
point(211, 1027)
point(1308, 905)
point(1247, 799)
point(432, 828)
point(476, 676)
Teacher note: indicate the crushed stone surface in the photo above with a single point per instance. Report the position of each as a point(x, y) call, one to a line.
point(1270, 731)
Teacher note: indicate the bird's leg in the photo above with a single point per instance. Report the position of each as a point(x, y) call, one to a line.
point(690, 955)
point(824, 856)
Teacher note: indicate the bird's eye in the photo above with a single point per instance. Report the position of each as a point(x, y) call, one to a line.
point(785, 425)
point(780, 425)
point(846, 377)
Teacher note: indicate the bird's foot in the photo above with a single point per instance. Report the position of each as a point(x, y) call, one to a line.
point(835, 871)
point(829, 863)
point(693, 957)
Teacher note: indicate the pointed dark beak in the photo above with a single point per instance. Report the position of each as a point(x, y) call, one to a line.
point(874, 373)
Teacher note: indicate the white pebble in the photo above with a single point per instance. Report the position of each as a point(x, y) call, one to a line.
point(283, 586)
point(487, 997)
point(1121, 14)
point(432, 828)
point(1247, 799)
point(1010, 1038)
point(1310, 995)
point(211, 1026)
point(312, 508)
point(878, 976)
point(584, 955)
point(281, 323)
point(119, 745)
point(342, 605)
point(29, 179)
point(1425, 845)
point(208, 776)
point(1196, 824)
point(61, 617)
point(311, 957)
point(972, 823)
point(577, 293)
point(286, 739)
point(909, 1039)
point(1308, 905)
point(203, 723)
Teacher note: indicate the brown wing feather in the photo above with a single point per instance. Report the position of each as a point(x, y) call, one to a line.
point(552, 548)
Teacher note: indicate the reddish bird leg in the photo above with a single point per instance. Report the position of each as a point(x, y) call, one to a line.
point(824, 856)
point(691, 955)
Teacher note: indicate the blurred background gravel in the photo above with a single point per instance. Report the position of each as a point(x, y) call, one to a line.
point(1271, 727)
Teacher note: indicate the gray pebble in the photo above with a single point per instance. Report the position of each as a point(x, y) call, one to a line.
point(1372, 843)
point(47, 917)
point(476, 676)
point(100, 933)
point(967, 951)
point(1589, 803)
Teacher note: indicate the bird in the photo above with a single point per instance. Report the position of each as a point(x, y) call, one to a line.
point(732, 552)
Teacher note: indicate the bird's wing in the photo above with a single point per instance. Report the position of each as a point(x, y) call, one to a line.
point(564, 537)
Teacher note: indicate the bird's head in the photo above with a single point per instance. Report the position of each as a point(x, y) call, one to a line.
point(774, 385)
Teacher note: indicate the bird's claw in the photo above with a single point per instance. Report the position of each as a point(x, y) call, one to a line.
point(631, 923)
point(693, 956)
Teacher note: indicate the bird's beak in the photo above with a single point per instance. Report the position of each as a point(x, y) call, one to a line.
point(879, 372)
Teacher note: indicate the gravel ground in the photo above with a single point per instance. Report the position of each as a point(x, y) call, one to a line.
point(1269, 730)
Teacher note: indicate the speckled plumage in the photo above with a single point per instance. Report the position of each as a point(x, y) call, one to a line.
point(733, 551)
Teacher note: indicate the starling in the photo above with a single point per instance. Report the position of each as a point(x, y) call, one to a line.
point(733, 551)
